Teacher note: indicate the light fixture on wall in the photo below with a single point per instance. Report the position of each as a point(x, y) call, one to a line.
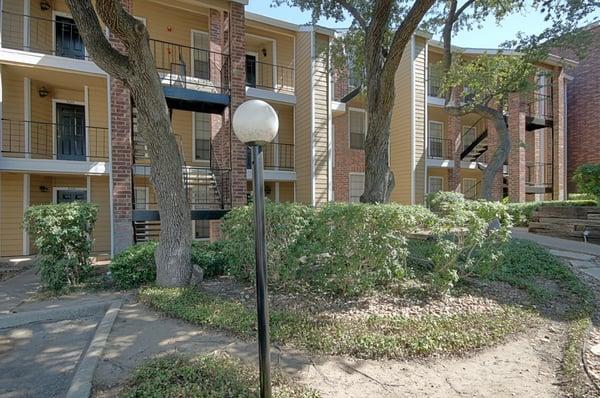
point(43, 91)
point(264, 52)
point(45, 5)
point(43, 188)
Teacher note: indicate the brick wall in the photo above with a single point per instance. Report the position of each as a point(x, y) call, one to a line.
point(558, 160)
point(120, 122)
point(454, 134)
point(583, 101)
point(346, 160)
point(516, 158)
point(492, 141)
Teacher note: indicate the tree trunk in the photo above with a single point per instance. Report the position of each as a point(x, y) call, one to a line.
point(136, 68)
point(499, 157)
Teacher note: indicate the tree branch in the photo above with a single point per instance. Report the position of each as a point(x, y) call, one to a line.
point(102, 52)
point(119, 21)
point(462, 9)
point(355, 14)
point(409, 24)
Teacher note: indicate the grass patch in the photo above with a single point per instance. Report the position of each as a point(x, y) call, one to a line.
point(575, 383)
point(217, 376)
point(372, 337)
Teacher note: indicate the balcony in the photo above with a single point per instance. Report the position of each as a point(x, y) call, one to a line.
point(439, 148)
point(539, 177)
point(51, 141)
point(540, 113)
point(270, 77)
point(279, 157)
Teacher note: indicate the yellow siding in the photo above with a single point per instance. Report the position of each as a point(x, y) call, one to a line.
point(286, 191)
point(303, 118)
point(11, 214)
point(401, 131)
point(100, 195)
point(419, 115)
point(321, 117)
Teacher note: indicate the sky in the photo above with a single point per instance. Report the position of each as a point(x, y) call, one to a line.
point(490, 37)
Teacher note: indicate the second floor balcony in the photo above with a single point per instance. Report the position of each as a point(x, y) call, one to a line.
point(276, 156)
point(53, 141)
point(439, 148)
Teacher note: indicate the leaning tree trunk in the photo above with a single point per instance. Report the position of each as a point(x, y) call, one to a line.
point(500, 154)
point(136, 69)
point(379, 178)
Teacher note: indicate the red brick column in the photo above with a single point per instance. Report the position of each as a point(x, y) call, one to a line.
point(237, 49)
point(492, 140)
point(121, 156)
point(347, 160)
point(558, 146)
point(454, 134)
point(516, 159)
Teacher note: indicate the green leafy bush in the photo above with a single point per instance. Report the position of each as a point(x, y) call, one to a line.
point(210, 257)
point(348, 249)
point(283, 224)
point(62, 234)
point(587, 178)
point(135, 266)
point(522, 212)
point(442, 202)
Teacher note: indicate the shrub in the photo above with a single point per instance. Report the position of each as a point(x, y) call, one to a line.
point(587, 178)
point(62, 234)
point(442, 202)
point(283, 224)
point(348, 249)
point(522, 212)
point(134, 266)
point(210, 257)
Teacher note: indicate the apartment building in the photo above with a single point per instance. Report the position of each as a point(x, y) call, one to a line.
point(583, 103)
point(69, 131)
point(432, 151)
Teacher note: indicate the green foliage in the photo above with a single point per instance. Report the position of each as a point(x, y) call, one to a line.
point(522, 212)
point(489, 79)
point(587, 178)
point(210, 257)
point(442, 202)
point(372, 337)
point(283, 224)
point(135, 266)
point(215, 376)
point(349, 249)
point(62, 234)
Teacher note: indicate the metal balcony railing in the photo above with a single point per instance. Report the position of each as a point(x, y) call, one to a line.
point(474, 192)
point(439, 148)
point(59, 36)
point(270, 76)
point(540, 106)
point(539, 174)
point(276, 157)
point(191, 67)
point(41, 140)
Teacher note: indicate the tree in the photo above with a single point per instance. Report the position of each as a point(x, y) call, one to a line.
point(379, 33)
point(136, 69)
point(490, 79)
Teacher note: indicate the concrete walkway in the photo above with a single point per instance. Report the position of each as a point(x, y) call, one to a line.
point(18, 289)
point(583, 256)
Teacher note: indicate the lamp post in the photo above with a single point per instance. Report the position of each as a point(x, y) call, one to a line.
point(255, 123)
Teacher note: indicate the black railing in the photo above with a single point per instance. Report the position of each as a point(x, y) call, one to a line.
point(474, 192)
point(140, 149)
point(434, 82)
point(472, 138)
point(539, 174)
point(276, 157)
point(191, 67)
point(41, 140)
point(540, 106)
point(269, 76)
point(58, 36)
point(205, 188)
point(439, 148)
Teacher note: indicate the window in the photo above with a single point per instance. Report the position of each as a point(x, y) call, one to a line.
point(251, 67)
point(436, 142)
point(141, 198)
point(469, 188)
point(68, 195)
point(434, 81)
point(201, 56)
point(436, 184)
point(68, 41)
point(358, 127)
point(201, 229)
point(357, 187)
point(202, 133)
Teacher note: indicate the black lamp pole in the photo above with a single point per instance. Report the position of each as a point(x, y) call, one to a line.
point(262, 301)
